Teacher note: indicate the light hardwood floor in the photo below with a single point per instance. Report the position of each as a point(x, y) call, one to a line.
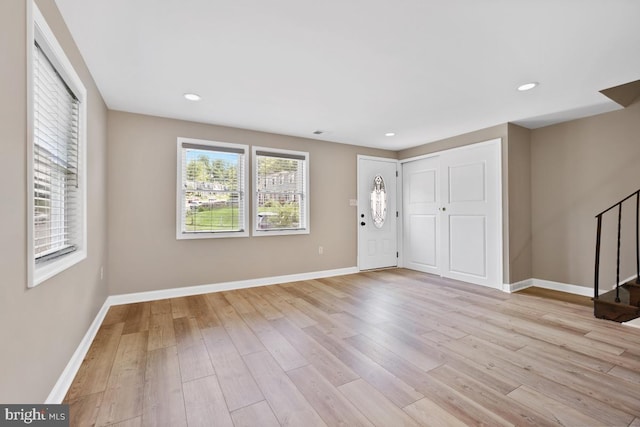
point(386, 348)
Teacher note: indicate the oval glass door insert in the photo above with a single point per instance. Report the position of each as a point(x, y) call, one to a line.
point(378, 202)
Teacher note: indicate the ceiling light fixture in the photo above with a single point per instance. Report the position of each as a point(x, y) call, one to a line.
point(390, 134)
point(192, 97)
point(318, 132)
point(527, 86)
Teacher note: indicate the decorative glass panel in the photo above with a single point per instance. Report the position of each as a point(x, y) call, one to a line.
point(378, 202)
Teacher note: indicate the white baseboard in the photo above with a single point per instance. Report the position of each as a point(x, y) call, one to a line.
point(515, 287)
point(548, 284)
point(563, 287)
point(627, 280)
point(225, 286)
point(66, 378)
point(635, 323)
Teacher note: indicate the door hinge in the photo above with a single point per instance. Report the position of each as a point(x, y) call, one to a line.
point(396, 174)
point(396, 214)
point(397, 254)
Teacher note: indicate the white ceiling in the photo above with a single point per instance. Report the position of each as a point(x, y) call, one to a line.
point(424, 69)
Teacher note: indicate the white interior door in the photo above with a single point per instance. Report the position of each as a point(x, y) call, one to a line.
point(452, 214)
point(471, 215)
point(377, 222)
point(421, 214)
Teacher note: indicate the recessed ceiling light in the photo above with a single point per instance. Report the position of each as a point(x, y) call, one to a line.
point(192, 97)
point(527, 86)
point(390, 134)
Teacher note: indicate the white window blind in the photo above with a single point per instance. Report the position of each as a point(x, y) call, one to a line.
point(212, 189)
point(55, 162)
point(281, 189)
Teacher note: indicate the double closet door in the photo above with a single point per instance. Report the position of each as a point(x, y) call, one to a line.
point(452, 214)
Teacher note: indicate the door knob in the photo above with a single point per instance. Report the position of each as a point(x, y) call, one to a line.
point(363, 223)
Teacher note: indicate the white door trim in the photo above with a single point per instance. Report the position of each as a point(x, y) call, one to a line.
point(462, 147)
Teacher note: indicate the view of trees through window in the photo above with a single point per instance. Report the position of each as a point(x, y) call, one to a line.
point(213, 191)
point(280, 192)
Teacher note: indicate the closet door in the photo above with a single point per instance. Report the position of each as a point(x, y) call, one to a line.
point(452, 214)
point(421, 215)
point(471, 214)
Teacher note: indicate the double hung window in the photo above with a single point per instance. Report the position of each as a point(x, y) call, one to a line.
point(212, 179)
point(281, 187)
point(57, 209)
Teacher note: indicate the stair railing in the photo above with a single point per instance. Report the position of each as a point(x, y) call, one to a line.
point(598, 241)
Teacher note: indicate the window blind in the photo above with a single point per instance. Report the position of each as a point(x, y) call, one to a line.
point(55, 162)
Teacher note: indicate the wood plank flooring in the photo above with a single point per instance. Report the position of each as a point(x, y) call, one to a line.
point(386, 348)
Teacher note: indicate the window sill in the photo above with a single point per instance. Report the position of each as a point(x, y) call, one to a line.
point(42, 272)
point(207, 235)
point(263, 233)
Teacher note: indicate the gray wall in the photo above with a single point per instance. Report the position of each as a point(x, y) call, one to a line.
point(519, 208)
point(144, 253)
point(40, 328)
point(578, 169)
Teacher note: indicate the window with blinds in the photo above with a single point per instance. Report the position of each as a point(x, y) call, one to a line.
point(56, 117)
point(211, 189)
point(281, 201)
point(55, 162)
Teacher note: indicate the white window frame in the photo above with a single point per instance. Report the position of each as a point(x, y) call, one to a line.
point(40, 32)
point(306, 198)
point(244, 232)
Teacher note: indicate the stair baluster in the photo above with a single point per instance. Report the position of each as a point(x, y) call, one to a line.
point(618, 254)
point(604, 305)
point(596, 279)
point(638, 237)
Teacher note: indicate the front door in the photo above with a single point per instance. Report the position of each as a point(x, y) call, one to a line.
point(377, 222)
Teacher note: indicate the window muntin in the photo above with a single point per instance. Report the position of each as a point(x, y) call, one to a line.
point(281, 200)
point(56, 157)
point(211, 189)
